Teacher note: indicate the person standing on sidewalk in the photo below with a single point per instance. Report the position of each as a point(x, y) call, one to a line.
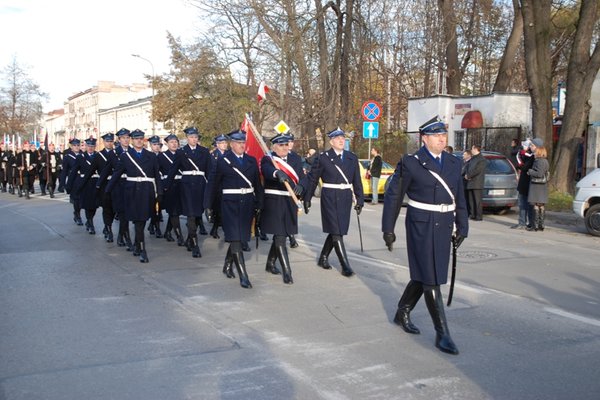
point(524, 162)
point(435, 217)
point(375, 174)
point(538, 185)
point(475, 176)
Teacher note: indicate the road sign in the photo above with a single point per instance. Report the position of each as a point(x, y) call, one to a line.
point(282, 127)
point(370, 130)
point(371, 110)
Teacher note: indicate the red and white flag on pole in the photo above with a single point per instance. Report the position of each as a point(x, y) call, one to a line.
point(252, 146)
point(263, 89)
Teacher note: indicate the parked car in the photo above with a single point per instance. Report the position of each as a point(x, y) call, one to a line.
point(386, 171)
point(587, 200)
point(500, 182)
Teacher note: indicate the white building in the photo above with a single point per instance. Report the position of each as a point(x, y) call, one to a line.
point(136, 114)
point(54, 125)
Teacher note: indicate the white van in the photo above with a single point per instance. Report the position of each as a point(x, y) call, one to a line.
point(587, 201)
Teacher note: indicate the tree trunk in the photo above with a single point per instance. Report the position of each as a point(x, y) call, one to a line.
point(345, 64)
point(536, 20)
point(512, 45)
point(453, 73)
point(581, 72)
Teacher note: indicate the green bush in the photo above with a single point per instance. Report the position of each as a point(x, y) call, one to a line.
point(558, 201)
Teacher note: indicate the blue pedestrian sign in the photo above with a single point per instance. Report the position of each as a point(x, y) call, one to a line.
point(370, 130)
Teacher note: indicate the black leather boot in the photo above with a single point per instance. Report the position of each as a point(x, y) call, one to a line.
point(92, 229)
point(435, 305)
point(151, 228)
point(271, 259)
point(240, 264)
point(407, 302)
point(168, 237)
point(286, 269)
point(157, 232)
point(109, 234)
point(121, 239)
point(128, 240)
point(51, 190)
point(201, 227)
point(143, 255)
point(228, 266)
point(195, 248)
point(340, 250)
point(214, 231)
point(179, 235)
point(324, 257)
point(293, 242)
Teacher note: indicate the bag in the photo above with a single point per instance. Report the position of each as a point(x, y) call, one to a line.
point(543, 179)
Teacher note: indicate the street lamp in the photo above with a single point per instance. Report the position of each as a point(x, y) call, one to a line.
point(152, 84)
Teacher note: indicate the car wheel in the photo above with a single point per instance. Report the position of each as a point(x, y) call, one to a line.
point(592, 220)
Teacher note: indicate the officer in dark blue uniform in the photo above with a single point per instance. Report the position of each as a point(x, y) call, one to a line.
point(86, 188)
point(436, 206)
point(236, 177)
point(341, 188)
point(294, 158)
point(193, 163)
point(142, 185)
point(172, 197)
point(221, 147)
point(280, 215)
point(69, 161)
point(154, 225)
point(117, 193)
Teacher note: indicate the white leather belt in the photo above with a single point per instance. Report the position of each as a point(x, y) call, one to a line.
point(194, 172)
point(337, 185)
point(238, 191)
point(93, 176)
point(277, 192)
point(139, 179)
point(165, 177)
point(124, 176)
point(109, 177)
point(442, 208)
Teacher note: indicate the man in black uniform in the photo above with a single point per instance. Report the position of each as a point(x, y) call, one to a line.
point(69, 162)
point(294, 159)
point(221, 148)
point(154, 225)
point(3, 168)
point(436, 215)
point(280, 215)
point(141, 187)
point(237, 178)
point(86, 188)
point(41, 170)
point(54, 161)
point(194, 164)
point(172, 197)
point(342, 187)
point(26, 164)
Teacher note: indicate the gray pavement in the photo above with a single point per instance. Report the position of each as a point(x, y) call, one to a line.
point(83, 319)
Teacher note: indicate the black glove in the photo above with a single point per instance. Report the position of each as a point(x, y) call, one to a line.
point(389, 239)
point(282, 176)
point(457, 240)
point(358, 209)
point(298, 190)
point(306, 206)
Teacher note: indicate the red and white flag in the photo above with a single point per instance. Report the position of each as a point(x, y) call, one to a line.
point(263, 89)
point(252, 146)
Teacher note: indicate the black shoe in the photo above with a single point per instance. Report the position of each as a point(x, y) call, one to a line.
point(214, 232)
point(158, 233)
point(245, 246)
point(137, 250)
point(143, 255)
point(109, 236)
point(293, 242)
point(92, 230)
point(121, 240)
point(435, 305)
point(263, 236)
point(168, 237)
point(324, 262)
point(202, 229)
point(271, 259)
point(151, 229)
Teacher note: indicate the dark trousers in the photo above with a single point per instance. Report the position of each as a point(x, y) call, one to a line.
point(475, 206)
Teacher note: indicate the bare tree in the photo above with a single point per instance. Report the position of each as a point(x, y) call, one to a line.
point(505, 71)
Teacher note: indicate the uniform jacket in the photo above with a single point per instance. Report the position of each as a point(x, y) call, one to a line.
point(30, 163)
point(69, 161)
point(237, 209)
point(428, 233)
point(172, 197)
point(280, 214)
point(192, 187)
point(476, 172)
point(117, 194)
point(140, 203)
point(336, 204)
point(78, 184)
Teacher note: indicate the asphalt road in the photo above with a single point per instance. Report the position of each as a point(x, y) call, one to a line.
point(83, 319)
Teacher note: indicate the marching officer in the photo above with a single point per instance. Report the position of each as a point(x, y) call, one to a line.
point(294, 158)
point(69, 162)
point(154, 225)
point(54, 161)
point(342, 187)
point(117, 194)
point(172, 197)
point(221, 147)
point(236, 177)
point(280, 215)
point(194, 164)
point(12, 171)
point(141, 187)
point(4, 166)
point(86, 188)
point(41, 170)
point(26, 164)
point(436, 204)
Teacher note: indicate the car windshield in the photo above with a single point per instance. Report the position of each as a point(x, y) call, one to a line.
point(498, 166)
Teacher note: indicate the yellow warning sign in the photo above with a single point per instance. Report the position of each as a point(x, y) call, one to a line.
point(282, 127)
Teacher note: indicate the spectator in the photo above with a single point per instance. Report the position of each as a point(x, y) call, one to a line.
point(375, 173)
point(475, 175)
point(514, 151)
point(524, 163)
point(466, 158)
point(449, 149)
point(538, 186)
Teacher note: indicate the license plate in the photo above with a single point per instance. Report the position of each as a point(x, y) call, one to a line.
point(496, 192)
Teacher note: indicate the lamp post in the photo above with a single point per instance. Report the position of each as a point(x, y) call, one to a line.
point(152, 100)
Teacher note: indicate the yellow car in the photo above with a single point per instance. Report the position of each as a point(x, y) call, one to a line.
point(386, 171)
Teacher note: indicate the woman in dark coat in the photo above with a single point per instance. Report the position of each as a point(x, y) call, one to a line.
point(538, 187)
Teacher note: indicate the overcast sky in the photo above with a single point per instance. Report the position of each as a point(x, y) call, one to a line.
point(69, 45)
